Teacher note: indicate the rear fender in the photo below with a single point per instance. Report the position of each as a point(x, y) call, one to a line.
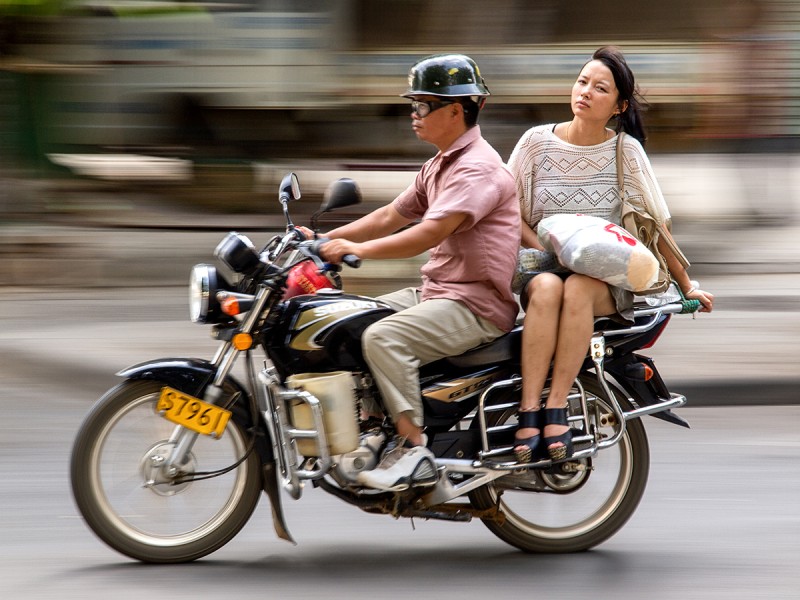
point(644, 393)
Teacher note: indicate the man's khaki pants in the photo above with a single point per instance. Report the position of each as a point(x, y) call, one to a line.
point(419, 333)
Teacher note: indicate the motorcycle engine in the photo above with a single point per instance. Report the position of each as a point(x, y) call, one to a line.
point(364, 458)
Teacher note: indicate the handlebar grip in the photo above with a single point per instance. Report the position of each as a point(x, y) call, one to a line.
point(351, 260)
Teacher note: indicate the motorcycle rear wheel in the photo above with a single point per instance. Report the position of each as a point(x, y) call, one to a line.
point(112, 458)
point(581, 517)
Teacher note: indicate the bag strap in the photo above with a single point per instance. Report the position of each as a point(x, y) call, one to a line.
point(620, 172)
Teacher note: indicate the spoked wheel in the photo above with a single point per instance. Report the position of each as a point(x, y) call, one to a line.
point(574, 510)
point(128, 501)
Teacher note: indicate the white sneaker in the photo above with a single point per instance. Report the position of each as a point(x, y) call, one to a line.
point(401, 468)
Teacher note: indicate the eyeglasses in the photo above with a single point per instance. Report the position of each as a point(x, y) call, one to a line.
point(425, 107)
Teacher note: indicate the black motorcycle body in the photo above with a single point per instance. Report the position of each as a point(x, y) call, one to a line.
point(168, 466)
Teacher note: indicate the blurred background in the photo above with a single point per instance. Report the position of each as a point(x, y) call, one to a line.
point(198, 104)
point(124, 121)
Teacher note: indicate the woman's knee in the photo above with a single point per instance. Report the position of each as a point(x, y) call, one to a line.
point(545, 294)
point(583, 285)
point(545, 288)
point(585, 290)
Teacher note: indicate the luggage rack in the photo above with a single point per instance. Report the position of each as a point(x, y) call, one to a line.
point(653, 316)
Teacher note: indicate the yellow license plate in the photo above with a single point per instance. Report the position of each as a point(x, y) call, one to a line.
point(192, 412)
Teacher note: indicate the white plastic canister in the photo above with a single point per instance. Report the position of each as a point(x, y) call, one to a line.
point(335, 393)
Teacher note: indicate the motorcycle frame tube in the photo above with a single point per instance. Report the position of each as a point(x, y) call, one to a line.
point(597, 348)
point(445, 490)
point(513, 466)
point(282, 434)
point(597, 354)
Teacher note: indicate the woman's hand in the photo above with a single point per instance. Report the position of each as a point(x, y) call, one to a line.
point(705, 298)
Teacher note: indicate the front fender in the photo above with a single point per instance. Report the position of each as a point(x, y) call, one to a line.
point(189, 375)
point(192, 376)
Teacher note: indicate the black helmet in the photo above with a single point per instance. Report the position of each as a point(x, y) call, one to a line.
point(446, 75)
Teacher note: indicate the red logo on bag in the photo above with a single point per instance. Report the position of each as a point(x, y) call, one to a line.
point(622, 235)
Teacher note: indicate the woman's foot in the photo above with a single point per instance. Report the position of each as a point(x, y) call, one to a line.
point(559, 440)
point(525, 448)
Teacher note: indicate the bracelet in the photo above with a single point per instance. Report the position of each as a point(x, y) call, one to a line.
point(690, 290)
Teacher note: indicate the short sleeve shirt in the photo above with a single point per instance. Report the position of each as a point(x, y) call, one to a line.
point(476, 263)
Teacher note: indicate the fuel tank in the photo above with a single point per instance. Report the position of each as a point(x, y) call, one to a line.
point(321, 332)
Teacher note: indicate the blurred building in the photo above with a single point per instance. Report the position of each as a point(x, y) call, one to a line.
point(321, 78)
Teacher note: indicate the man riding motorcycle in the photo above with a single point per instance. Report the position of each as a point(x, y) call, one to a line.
point(465, 201)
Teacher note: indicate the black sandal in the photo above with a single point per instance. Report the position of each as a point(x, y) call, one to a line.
point(558, 416)
point(526, 419)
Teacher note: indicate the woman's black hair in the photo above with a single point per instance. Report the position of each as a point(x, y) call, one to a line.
point(629, 121)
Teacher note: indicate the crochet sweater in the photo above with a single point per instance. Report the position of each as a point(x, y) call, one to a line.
point(556, 177)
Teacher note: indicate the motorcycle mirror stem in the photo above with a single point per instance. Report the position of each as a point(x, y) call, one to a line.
point(289, 190)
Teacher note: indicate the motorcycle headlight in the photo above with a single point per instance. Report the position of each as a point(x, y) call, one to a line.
point(238, 253)
point(203, 285)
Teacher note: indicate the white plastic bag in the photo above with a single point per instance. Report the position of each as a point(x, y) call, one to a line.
point(595, 247)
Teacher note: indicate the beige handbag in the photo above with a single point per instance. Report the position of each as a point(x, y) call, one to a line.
point(648, 225)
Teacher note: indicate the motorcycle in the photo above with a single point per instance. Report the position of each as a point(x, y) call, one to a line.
point(168, 466)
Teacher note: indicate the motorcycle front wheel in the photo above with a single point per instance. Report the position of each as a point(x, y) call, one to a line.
point(545, 512)
point(136, 511)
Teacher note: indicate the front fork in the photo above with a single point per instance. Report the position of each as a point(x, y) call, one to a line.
point(184, 439)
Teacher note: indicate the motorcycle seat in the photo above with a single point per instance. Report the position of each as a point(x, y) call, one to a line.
point(503, 348)
point(507, 346)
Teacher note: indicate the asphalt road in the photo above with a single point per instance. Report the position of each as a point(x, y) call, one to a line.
point(720, 518)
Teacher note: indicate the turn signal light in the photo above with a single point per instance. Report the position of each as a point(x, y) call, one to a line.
point(230, 306)
point(242, 341)
point(233, 304)
point(639, 372)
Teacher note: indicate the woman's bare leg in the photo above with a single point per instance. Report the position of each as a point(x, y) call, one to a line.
point(584, 299)
point(539, 335)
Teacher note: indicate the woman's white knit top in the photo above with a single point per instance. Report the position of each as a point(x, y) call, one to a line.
point(556, 177)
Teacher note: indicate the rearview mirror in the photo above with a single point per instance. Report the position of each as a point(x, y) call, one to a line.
point(290, 188)
point(342, 192)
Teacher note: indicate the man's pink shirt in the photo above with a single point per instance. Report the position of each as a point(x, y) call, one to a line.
point(476, 263)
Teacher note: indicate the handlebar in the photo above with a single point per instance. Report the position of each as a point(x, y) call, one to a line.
point(351, 260)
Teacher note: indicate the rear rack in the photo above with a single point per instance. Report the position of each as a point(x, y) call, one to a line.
point(597, 351)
